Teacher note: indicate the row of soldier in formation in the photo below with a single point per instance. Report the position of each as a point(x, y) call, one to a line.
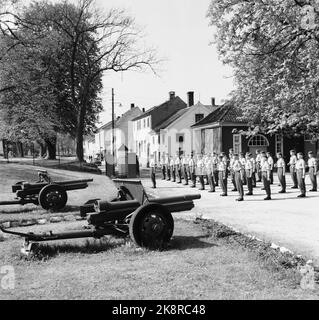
point(243, 169)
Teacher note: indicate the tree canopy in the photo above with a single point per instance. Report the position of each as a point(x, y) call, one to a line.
point(273, 48)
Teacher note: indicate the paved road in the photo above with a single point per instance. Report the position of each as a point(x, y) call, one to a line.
point(286, 220)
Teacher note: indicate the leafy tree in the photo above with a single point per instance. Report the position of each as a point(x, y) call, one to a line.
point(273, 47)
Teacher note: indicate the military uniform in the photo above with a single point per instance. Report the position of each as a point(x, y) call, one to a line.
point(168, 168)
point(271, 165)
point(173, 173)
point(185, 169)
point(281, 170)
point(210, 173)
point(265, 173)
point(200, 168)
point(178, 169)
point(258, 167)
point(232, 173)
point(249, 175)
point(242, 160)
point(293, 172)
point(163, 167)
point(238, 172)
point(222, 175)
point(192, 170)
point(300, 171)
point(254, 171)
point(153, 172)
point(312, 164)
point(215, 169)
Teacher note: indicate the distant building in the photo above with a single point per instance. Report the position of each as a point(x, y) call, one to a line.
point(220, 131)
point(145, 128)
point(101, 142)
point(176, 135)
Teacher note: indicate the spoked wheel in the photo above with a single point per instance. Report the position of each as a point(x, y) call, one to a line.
point(53, 197)
point(152, 226)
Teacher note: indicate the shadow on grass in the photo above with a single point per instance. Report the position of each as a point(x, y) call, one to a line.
point(185, 243)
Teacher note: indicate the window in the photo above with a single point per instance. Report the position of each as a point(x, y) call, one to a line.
point(279, 143)
point(159, 139)
point(163, 138)
point(237, 143)
point(153, 140)
point(148, 122)
point(180, 137)
point(144, 123)
point(258, 141)
point(139, 125)
point(199, 117)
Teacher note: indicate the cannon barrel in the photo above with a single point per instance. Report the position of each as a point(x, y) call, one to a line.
point(179, 206)
point(100, 206)
point(188, 197)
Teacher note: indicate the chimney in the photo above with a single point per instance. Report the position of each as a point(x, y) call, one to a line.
point(213, 102)
point(143, 110)
point(132, 105)
point(171, 95)
point(190, 95)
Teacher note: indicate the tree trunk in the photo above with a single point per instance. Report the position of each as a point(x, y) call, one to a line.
point(4, 147)
point(79, 137)
point(43, 149)
point(51, 149)
point(19, 147)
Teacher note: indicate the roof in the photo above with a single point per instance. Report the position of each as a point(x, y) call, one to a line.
point(171, 119)
point(163, 111)
point(124, 118)
point(225, 113)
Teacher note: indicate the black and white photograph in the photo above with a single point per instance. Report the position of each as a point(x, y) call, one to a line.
point(159, 155)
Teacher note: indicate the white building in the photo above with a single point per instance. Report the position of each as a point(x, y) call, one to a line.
point(176, 135)
point(146, 136)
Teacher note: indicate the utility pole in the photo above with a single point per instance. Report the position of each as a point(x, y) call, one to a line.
point(113, 137)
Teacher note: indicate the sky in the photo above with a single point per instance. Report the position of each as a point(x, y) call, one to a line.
point(180, 31)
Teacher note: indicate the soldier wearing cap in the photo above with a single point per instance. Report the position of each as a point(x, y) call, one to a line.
point(210, 173)
point(265, 173)
point(242, 160)
point(185, 162)
point(230, 168)
point(292, 169)
point(178, 167)
point(200, 171)
point(192, 170)
point(222, 173)
point(254, 170)
point(172, 166)
point(312, 164)
point(238, 171)
point(215, 168)
point(249, 173)
point(163, 166)
point(301, 173)
point(258, 165)
point(271, 165)
point(281, 172)
point(153, 171)
point(168, 167)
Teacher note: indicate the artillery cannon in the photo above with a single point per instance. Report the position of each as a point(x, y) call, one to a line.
point(147, 221)
point(48, 194)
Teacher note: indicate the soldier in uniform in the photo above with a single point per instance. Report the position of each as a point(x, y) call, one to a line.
point(312, 164)
point(258, 165)
point(163, 166)
point(215, 168)
point(178, 168)
point(210, 173)
point(281, 171)
point(172, 166)
point(242, 160)
point(254, 170)
point(201, 171)
point(168, 167)
point(249, 173)
point(301, 173)
point(292, 169)
point(230, 168)
point(265, 173)
point(185, 169)
point(153, 171)
point(192, 170)
point(271, 165)
point(238, 171)
point(222, 174)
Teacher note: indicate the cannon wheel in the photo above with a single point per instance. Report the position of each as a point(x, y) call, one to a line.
point(53, 197)
point(151, 226)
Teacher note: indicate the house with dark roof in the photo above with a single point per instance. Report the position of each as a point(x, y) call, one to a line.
point(146, 132)
point(222, 130)
point(176, 136)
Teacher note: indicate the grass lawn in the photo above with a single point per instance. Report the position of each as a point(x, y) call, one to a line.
point(196, 266)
